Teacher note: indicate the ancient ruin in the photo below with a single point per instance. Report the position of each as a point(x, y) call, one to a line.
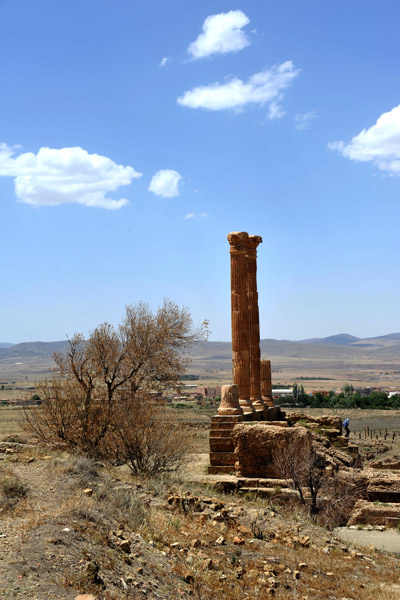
point(250, 396)
point(251, 438)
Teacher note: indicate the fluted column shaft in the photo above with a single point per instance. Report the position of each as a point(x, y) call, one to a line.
point(254, 320)
point(240, 318)
point(266, 382)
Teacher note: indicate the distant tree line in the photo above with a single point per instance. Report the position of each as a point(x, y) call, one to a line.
point(348, 398)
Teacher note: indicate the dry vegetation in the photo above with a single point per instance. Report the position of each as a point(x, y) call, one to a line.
point(101, 403)
point(134, 537)
point(76, 526)
point(88, 504)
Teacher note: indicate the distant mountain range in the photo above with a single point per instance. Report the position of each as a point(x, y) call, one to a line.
point(31, 349)
point(346, 339)
point(341, 346)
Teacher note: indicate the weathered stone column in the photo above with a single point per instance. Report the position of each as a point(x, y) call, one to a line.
point(266, 382)
point(254, 321)
point(240, 318)
point(230, 401)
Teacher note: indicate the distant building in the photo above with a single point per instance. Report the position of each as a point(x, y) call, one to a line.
point(280, 392)
point(208, 392)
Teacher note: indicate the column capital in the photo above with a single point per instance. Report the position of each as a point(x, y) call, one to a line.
point(252, 243)
point(238, 241)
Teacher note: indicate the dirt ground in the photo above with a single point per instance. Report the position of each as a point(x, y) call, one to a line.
point(164, 539)
point(124, 538)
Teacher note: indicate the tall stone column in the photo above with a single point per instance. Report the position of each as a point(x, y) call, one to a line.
point(266, 382)
point(254, 321)
point(240, 318)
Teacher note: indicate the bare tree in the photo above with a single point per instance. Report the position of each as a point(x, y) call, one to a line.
point(327, 492)
point(101, 396)
point(303, 470)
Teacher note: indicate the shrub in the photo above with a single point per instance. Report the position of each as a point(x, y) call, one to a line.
point(12, 490)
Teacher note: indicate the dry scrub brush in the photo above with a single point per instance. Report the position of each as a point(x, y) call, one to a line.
point(12, 490)
point(102, 402)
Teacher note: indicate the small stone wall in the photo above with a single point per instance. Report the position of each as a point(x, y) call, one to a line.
point(326, 421)
point(375, 514)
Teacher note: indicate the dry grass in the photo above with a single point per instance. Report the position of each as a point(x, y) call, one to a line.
point(83, 534)
point(11, 422)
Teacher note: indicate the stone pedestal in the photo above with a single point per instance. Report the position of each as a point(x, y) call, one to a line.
point(240, 318)
point(266, 382)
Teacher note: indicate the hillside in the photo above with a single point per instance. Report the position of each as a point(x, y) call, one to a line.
point(76, 529)
point(370, 361)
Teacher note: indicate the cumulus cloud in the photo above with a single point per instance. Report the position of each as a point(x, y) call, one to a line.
point(303, 120)
point(221, 33)
point(165, 183)
point(66, 175)
point(194, 216)
point(260, 88)
point(164, 61)
point(379, 144)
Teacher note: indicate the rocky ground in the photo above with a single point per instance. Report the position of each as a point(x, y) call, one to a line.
point(71, 527)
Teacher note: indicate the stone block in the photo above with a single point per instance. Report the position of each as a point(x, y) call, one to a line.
point(221, 469)
point(221, 445)
point(257, 443)
point(222, 458)
point(221, 433)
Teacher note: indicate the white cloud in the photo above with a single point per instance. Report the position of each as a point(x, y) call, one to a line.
point(303, 120)
point(164, 61)
point(66, 175)
point(221, 33)
point(266, 86)
point(165, 183)
point(194, 216)
point(379, 144)
point(275, 111)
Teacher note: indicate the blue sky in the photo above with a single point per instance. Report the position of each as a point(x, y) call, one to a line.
point(136, 135)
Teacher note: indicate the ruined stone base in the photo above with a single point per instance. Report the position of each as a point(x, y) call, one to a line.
point(375, 514)
point(256, 443)
point(222, 457)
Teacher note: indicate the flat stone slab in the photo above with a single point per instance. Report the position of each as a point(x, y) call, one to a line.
point(269, 492)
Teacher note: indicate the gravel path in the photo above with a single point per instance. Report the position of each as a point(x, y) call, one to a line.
point(387, 540)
